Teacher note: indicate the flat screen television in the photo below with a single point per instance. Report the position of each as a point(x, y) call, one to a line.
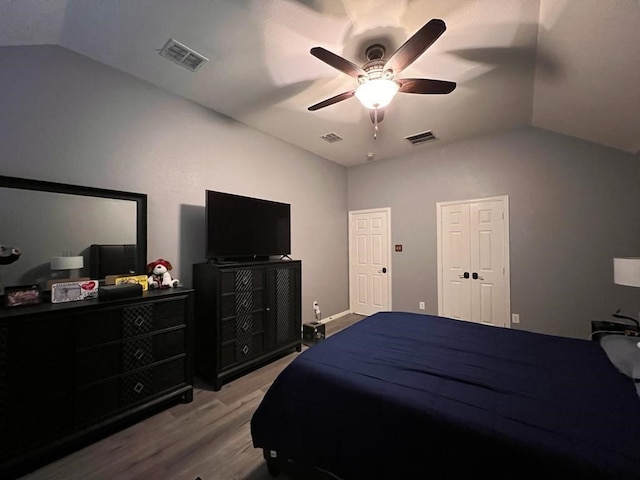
point(239, 227)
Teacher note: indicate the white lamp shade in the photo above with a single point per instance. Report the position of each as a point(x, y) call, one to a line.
point(67, 263)
point(626, 271)
point(377, 93)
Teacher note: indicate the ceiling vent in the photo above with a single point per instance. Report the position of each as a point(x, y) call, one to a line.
point(182, 55)
point(423, 137)
point(331, 137)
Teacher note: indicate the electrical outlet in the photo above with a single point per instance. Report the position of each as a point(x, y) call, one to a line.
point(515, 318)
point(421, 306)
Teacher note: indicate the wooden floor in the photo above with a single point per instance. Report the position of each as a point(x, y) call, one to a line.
point(208, 438)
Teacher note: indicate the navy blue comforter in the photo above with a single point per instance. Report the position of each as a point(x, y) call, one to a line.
point(402, 395)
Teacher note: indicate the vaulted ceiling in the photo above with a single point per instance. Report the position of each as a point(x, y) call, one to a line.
point(570, 66)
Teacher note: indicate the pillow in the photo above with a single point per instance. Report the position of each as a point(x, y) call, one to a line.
point(624, 352)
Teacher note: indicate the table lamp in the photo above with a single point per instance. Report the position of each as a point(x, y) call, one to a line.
point(626, 271)
point(72, 264)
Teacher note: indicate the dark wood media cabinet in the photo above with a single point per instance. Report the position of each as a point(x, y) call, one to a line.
point(74, 372)
point(246, 314)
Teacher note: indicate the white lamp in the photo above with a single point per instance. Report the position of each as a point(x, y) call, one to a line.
point(626, 271)
point(73, 264)
point(377, 93)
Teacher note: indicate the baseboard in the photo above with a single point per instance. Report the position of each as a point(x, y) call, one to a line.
point(334, 317)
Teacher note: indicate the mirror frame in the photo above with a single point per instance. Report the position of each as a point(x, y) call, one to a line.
point(139, 198)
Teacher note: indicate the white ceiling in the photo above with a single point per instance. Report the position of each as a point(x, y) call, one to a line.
point(571, 66)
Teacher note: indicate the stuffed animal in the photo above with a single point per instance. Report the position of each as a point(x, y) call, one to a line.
point(159, 276)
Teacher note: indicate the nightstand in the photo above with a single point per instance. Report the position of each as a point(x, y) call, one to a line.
point(600, 329)
point(313, 333)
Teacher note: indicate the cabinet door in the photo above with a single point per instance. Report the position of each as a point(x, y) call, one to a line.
point(283, 305)
point(36, 375)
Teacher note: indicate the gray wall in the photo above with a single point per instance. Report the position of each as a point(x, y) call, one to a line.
point(67, 118)
point(573, 207)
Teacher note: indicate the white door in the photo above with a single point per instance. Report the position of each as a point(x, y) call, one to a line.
point(473, 261)
point(369, 267)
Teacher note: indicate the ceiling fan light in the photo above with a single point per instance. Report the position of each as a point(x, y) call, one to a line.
point(377, 93)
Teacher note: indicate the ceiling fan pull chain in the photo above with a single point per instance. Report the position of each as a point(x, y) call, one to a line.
point(375, 124)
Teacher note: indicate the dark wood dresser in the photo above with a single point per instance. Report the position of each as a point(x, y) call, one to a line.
point(73, 372)
point(247, 314)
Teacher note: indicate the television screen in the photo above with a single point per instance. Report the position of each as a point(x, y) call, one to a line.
point(240, 227)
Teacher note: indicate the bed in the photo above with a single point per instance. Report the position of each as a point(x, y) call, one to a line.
point(402, 396)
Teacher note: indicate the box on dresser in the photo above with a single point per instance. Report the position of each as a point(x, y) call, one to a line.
point(72, 372)
point(313, 333)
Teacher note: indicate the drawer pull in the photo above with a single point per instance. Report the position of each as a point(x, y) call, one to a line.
point(139, 321)
point(138, 388)
point(245, 349)
point(245, 326)
point(139, 354)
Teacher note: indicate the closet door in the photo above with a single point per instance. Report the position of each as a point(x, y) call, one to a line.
point(473, 261)
point(455, 253)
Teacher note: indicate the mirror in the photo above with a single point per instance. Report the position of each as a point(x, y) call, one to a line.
point(46, 220)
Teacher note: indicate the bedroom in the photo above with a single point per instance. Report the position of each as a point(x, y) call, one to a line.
point(68, 118)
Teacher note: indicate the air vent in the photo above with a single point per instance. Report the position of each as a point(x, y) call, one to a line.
point(182, 55)
point(331, 137)
point(423, 137)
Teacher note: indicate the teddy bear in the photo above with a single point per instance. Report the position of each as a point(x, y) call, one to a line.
point(159, 276)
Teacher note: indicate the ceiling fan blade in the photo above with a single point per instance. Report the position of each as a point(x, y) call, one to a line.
point(332, 100)
point(337, 62)
point(415, 46)
point(425, 85)
point(380, 114)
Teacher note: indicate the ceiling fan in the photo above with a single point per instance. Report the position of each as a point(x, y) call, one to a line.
point(376, 78)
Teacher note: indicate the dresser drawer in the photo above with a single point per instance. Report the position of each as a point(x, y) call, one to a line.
point(241, 326)
point(140, 385)
point(242, 349)
point(29, 426)
point(120, 357)
point(31, 341)
point(139, 352)
point(137, 319)
point(241, 303)
point(239, 280)
point(107, 397)
point(169, 313)
point(97, 401)
point(37, 382)
point(100, 327)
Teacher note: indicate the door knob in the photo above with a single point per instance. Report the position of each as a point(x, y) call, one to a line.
point(477, 277)
point(465, 275)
